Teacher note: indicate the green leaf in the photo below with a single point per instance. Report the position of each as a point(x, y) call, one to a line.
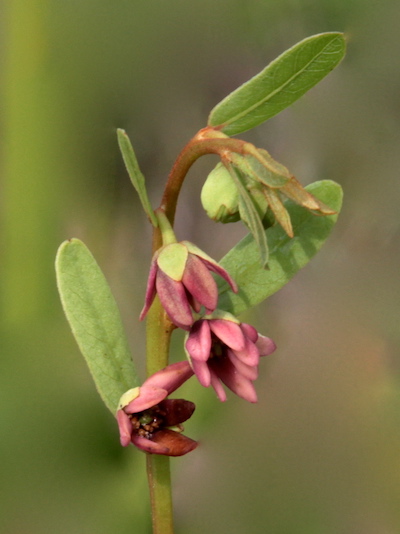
point(95, 321)
point(137, 178)
point(250, 216)
point(280, 84)
point(286, 255)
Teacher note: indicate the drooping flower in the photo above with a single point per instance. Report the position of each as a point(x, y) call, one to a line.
point(152, 422)
point(180, 275)
point(221, 349)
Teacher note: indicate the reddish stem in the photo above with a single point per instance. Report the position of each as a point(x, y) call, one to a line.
point(206, 141)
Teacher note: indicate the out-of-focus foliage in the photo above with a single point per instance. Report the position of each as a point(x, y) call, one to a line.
point(320, 452)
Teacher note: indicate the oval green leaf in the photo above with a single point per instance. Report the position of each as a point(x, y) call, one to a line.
point(280, 84)
point(286, 255)
point(135, 174)
point(95, 321)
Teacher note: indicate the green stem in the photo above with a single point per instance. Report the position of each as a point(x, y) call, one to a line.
point(158, 334)
point(159, 478)
point(158, 327)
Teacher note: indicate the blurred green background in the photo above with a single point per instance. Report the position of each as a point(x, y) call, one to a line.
point(320, 453)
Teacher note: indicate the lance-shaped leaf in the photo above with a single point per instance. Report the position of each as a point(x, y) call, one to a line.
point(286, 255)
point(95, 321)
point(250, 216)
point(280, 84)
point(136, 176)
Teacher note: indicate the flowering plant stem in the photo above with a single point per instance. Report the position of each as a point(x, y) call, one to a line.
point(158, 335)
point(206, 141)
point(159, 328)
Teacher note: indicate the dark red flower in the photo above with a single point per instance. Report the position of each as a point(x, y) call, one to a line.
point(151, 421)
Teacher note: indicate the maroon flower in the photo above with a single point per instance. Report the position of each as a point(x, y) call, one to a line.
point(151, 421)
point(221, 349)
point(180, 275)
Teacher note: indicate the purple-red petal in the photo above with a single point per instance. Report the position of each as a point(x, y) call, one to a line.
point(249, 331)
point(229, 333)
point(174, 300)
point(199, 282)
point(174, 442)
point(248, 371)
point(125, 428)
point(250, 354)
point(218, 388)
point(148, 445)
point(148, 397)
point(265, 345)
point(202, 372)
point(151, 287)
point(198, 344)
point(216, 268)
point(170, 378)
point(177, 411)
point(241, 386)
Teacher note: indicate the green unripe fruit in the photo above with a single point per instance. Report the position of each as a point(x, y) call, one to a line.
point(220, 197)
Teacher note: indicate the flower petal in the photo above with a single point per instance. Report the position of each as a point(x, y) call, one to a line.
point(243, 387)
point(211, 264)
point(216, 268)
point(218, 388)
point(177, 411)
point(173, 298)
point(151, 287)
point(265, 345)
point(148, 445)
point(177, 444)
point(202, 372)
point(249, 331)
point(148, 397)
point(125, 428)
point(170, 378)
point(248, 371)
point(199, 282)
point(250, 354)
point(198, 344)
point(229, 333)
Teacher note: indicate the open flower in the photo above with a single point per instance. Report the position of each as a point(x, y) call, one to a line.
point(180, 275)
point(222, 349)
point(151, 421)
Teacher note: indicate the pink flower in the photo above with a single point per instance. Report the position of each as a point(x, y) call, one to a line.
point(145, 415)
point(180, 275)
point(221, 349)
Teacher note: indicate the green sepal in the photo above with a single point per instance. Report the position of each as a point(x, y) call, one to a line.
point(281, 83)
point(172, 260)
point(95, 321)
point(286, 255)
point(136, 176)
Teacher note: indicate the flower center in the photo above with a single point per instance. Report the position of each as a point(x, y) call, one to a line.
point(217, 348)
point(147, 422)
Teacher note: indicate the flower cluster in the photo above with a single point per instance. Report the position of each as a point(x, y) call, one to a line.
point(220, 350)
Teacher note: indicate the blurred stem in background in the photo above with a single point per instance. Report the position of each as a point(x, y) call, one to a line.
point(31, 162)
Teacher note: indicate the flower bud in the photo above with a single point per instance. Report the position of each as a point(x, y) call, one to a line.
point(220, 197)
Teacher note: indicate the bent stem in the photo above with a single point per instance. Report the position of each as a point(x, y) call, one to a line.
point(206, 141)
